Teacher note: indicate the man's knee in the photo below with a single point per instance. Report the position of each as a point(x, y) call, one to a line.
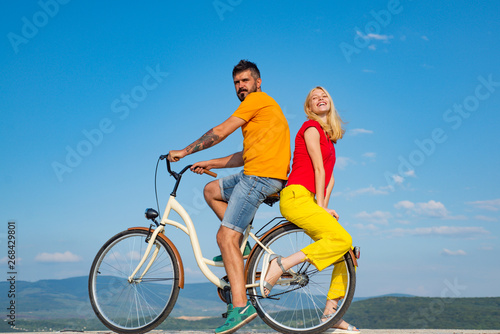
point(212, 191)
point(220, 238)
point(227, 236)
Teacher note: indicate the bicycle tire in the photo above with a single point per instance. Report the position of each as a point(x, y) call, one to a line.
point(297, 307)
point(141, 305)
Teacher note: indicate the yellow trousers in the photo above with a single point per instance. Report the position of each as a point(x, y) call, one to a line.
point(297, 204)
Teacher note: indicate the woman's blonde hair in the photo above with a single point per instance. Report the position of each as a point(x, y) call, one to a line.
point(333, 125)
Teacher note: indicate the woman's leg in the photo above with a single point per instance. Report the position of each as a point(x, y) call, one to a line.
point(331, 308)
point(275, 272)
point(332, 241)
point(338, 284)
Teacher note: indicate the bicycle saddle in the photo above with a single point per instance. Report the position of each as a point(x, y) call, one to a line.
point(271, 199)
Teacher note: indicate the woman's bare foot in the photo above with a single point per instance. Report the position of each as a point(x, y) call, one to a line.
point(344, 325)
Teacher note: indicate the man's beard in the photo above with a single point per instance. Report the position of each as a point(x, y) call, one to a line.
point(241, 92)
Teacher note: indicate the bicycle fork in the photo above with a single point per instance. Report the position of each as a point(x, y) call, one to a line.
point(145, 256)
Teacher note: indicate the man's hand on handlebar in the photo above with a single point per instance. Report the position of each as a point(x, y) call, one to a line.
point(200, 167)
point(176, 155)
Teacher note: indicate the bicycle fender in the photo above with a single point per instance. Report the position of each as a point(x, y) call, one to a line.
point(174, 249)
point(353, 258)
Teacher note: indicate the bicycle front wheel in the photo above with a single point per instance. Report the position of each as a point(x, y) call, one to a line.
point(140, 304)
point(296, 303)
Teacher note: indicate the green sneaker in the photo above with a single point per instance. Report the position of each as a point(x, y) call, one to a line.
point(237, 317)
point(246, 252)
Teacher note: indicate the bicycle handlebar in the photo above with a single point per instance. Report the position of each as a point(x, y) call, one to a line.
point(176, 175)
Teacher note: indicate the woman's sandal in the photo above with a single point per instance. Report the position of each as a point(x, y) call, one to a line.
point(267, 265)
point(350, 328)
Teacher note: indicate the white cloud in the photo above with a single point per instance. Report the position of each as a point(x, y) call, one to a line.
point(453, 253)
point(490, 205)
point(369, 71)
point(134, 255)
point(371, 190)
point(377, 37)
point(371, 155)
point(355, 132)
point(486, 218)
point(446, 231)
point(457, 217)
point(405, 205)
point(369, 227)
point(398, 179)
point(425, 38)
point(377, 217)
point(410, 173)
point(343, 162)
point(430, 209)
point(58, 257)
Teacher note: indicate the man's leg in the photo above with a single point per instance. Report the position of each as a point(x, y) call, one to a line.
point(229, 244)
point(213, 197)
point(240, 311)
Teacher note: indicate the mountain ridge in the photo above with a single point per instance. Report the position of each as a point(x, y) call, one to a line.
point(49, 305)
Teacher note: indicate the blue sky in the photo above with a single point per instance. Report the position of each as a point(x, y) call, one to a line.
point(92, 93)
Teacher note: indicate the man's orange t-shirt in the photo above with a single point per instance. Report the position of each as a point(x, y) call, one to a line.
point(266, 137)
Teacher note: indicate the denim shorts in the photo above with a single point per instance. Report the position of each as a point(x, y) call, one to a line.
point(244, 194)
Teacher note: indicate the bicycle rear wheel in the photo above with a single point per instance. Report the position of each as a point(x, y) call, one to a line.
point(140, 305)
point(296, 304)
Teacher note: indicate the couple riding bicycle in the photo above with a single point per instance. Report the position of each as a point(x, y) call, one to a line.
point(304, 201)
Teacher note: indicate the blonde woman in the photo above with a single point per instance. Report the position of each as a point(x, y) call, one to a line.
point(304, 201)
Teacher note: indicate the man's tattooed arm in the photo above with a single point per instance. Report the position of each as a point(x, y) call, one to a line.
point(209, 139)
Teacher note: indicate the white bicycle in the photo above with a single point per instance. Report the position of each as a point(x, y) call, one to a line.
point(136, 276)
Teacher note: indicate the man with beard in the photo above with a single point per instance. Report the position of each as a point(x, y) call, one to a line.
point(234, 199)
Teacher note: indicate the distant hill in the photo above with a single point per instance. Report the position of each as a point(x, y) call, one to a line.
point(64, 304)
point(68, 298)
point(425, 312)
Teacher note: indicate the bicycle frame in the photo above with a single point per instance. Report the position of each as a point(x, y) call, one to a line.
point(190, 230)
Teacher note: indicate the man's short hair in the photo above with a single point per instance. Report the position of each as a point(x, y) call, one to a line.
point(244, 65)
